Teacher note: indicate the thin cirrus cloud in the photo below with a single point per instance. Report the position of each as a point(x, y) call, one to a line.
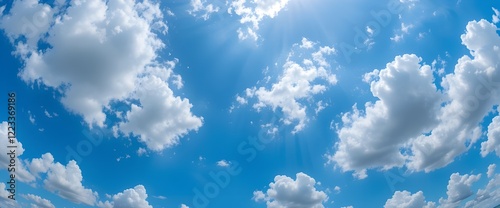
point(103, 53)
point(442, 122)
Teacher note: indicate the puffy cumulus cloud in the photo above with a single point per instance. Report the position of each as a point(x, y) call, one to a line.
point(253, 12)
point(458, 189)
point(407, 105)
point(472, 91)
point(66, 181)
point(4, 197)
point(22, 174)
point(162, 118)
point(488, 196)
point(135, 197)
point(38, 202)
point(404, 199)
point(184, 206)
point(296, 86)
point(414, 125)
point(99, 53)
point(202, 9)
point(286, 192)
point(493, 142)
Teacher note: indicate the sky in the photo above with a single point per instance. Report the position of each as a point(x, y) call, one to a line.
point(251, 103)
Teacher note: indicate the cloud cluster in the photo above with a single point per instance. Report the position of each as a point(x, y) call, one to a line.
point(298, 83)
point(458, 190)
point(99, 53)
point(38, 201)
point(413, 124)
point(287, 192)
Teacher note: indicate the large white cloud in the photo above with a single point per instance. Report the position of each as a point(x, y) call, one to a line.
point(404, 199)
point(414, 125)
point(472, 90)
point(298, 83)
point(489, 196)
point(407, 105)
point(253, 12)
point(99, 52)
point(290, 193)
point(135, 197)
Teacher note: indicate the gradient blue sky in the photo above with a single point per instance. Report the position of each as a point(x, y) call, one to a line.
point(172, 92)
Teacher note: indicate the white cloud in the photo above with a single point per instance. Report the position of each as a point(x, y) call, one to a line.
point(472, 91)
point(495, 17)
point(298, 83)
point(201, 8)
point(405, 90)
point(4, 197)
point(162, 118)
point(141, 151)
point(286, 192)
point(405, 29)
point(31, 117)
point(404, 199)
point(39, 202)
point(307, 44)
point(253, 12)
point(458, 189)
point(135, 197)
point(184, 206)
point(489, 196)
point(66, 181)
point(223, 163)
point(102, 57)
point(22, 174)
point(491, 170)
point(443, 124)
point(493, 142)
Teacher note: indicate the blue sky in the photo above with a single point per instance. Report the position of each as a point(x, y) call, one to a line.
point(263, 103)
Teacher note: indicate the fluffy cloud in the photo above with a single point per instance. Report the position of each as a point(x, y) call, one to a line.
point(493, 142)
point(458, 189)
point(100, 53)
point(424, 129)
point(22, 174)
point(201, 8)
point(404, 199)
point(286, 192)
point(135, 197)
point(472, 91)
point(405, 90)
point(489, 196)
point(66, 181)
point(253, 12)
point(298, 83)
point(39, 202)
point(4, 194)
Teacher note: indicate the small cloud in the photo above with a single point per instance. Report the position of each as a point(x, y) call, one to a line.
point(223, 163)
